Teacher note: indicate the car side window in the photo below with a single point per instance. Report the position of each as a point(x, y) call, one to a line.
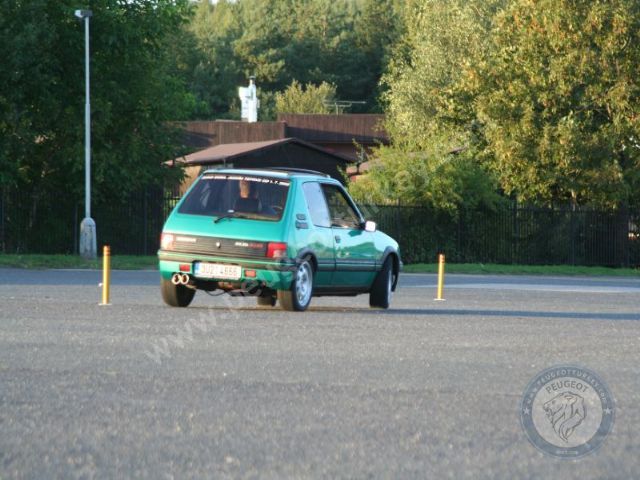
point(317, 204)
point(341, 211)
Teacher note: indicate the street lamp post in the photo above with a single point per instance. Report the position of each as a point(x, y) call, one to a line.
point(88, 247)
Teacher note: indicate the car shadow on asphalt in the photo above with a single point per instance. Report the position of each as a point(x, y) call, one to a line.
point(279, 311)
point(508, 313)
point(440, 312)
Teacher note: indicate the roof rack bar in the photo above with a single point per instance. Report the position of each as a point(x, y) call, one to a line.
point(298, 170)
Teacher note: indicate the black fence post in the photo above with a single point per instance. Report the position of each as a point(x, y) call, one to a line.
point(396, 211)
point(515, 246)
point(2, 216)
point(624, 230)
point(145, 213)
point(572, 237)
point(76, 232)
point(460, 257)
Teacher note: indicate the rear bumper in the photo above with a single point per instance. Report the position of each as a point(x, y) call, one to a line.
point(276, 275)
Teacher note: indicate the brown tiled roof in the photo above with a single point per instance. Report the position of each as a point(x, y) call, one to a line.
point(229, 151)
point(366, 129)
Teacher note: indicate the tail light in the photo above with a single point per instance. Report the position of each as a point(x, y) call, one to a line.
point(276, 250)
point(167, 241)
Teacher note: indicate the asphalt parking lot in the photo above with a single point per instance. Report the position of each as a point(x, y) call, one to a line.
point(225, 389)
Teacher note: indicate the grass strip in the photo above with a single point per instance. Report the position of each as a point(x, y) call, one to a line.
point(145, 262)
point(497, 269)
point(118, 262)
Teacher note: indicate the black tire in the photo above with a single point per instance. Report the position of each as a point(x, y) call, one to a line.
point(298, 297)
point(269, 301)
point(380, 295)
point(176, 295)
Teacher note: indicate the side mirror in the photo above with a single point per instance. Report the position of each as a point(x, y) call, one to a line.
point(369, 226)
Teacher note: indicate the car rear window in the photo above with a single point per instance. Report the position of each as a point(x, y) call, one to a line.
point(260, 198)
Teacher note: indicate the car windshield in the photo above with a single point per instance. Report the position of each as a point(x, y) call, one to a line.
point(242, 196)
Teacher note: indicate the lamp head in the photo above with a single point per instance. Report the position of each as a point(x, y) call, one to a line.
point(83, 13)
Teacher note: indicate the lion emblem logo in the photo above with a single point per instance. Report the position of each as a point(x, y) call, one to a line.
point(553, 411)
point(565, 412)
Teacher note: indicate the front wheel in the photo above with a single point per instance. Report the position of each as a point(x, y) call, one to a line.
point(380, 295)
point(298, 297)
point(176, 295)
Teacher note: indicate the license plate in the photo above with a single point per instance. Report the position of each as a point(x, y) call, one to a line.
point(216, 270)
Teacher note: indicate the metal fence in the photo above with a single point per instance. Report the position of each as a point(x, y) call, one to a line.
point(50, 224)
point(515, 235)
point(509, 235)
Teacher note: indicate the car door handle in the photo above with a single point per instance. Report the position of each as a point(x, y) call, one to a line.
point(337, 238)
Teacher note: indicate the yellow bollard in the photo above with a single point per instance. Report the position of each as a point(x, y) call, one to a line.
point(106, 274)
point(440, 276)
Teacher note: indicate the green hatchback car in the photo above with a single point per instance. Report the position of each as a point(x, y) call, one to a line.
point(281, 235)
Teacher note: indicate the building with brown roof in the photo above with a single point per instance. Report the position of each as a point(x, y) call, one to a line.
point(286, 152)
point(327, 143)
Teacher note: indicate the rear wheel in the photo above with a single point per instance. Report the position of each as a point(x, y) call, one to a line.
point(176, 295)
point(380, 295)
point(298, 297)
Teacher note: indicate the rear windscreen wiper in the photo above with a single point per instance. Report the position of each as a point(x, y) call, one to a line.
point(229, 215)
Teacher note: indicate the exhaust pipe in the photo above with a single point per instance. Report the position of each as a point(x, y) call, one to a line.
point(180, 279)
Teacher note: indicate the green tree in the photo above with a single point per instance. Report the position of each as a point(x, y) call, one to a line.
point(215, 69)
point(134, 92)
point(544, 93)
point(339, 42)
point(377, 29)
point(558, 101)
point(308, 99)
point(429, 177)
point(425, 118)
point(426, 94)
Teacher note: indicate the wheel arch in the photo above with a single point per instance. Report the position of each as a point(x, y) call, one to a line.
point(393, 254)
point(307, 252)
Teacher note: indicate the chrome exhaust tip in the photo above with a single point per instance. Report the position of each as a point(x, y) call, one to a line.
point(184, 279)
point(176, 279)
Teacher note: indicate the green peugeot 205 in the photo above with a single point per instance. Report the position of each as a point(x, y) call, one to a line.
point(282, 235)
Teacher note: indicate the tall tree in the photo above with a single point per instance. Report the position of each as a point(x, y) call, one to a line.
point(279, 41)
point(377, 29)
point(134, 92)
point(426, 92)
point(544, 92)
point(308, 99)
point(430, 112)
point(215, 71)
point(559, 100)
